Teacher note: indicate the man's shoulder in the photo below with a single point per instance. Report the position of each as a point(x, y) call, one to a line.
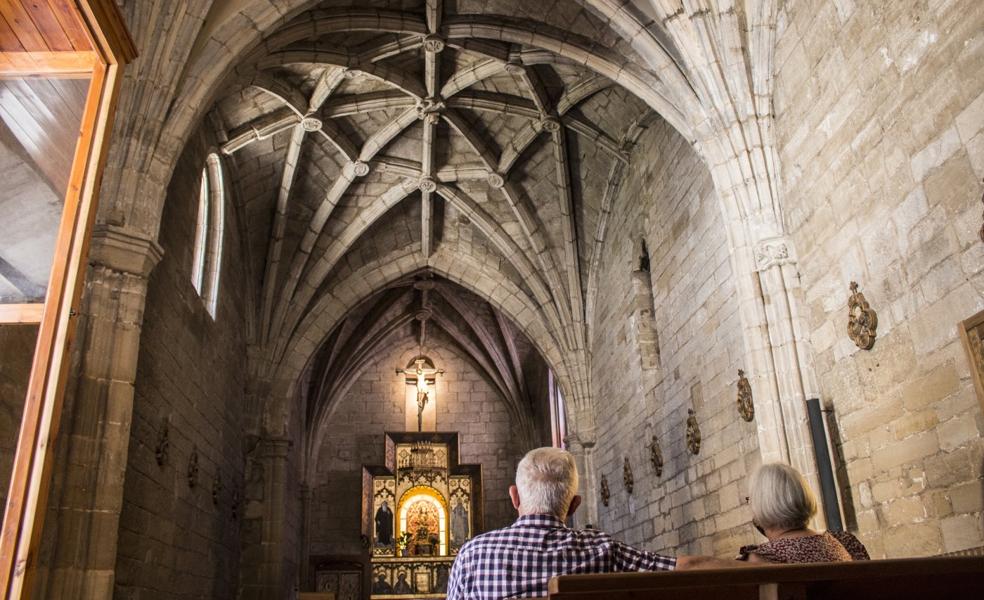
point(486, 538)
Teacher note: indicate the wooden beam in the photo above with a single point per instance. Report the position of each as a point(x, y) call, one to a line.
point(107, 25)
point(21, 313)
point(47, 64)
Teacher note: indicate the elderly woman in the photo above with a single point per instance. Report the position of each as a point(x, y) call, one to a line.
point(782, 506)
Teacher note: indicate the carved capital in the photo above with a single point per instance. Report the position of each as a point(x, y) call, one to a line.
point(273, 447)
point(773, 252)
point(123, 250)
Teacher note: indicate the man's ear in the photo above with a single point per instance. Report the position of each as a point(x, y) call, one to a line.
point(514, 496)
point(575, 502)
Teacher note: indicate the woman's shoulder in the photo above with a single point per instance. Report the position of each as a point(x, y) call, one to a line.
point(852, 544)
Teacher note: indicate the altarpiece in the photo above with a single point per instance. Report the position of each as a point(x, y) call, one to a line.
point(417, 511)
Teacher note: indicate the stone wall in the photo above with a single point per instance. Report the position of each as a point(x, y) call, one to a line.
point(175, 541)
point(668, 199)
point(466, 403)
point(879, 114)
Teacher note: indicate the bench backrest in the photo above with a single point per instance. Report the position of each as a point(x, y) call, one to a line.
point(916, 578)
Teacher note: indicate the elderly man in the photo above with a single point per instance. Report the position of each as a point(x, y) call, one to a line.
point(518, 561)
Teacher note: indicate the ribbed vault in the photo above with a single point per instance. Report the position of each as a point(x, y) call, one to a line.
point(368, 144)
point(430, 311)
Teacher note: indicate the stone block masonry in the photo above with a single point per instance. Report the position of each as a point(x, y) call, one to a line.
point(694, 506)
point(175, 540)
point(880, 130)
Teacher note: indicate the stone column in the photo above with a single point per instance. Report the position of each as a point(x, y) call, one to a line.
point(582, 449)
point(79, 550)
point(305, 545)
point(778, 358)
point(265, 565)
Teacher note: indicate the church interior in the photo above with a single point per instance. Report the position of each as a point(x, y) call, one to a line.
point(289, 287)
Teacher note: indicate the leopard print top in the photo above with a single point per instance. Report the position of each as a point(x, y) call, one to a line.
point(823, 547)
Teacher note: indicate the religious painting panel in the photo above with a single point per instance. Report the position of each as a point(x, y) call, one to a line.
point(384, 516)
point(346, 585)
point(423, 522)
point(460, 495)
point(972, 336)
point(406, 577)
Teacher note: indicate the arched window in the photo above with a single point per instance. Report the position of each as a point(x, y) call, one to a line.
point(207, 259)
point(558, 412)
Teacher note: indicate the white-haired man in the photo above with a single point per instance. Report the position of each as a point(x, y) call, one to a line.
point(518, 561)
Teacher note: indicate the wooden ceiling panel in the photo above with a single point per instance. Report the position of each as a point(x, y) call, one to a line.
point(41, 26)
point(45, 115)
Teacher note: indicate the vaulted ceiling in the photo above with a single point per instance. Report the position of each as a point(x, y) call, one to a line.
point(368, 144)
point(429, 312)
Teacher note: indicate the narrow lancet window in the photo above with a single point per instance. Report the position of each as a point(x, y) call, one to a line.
point(644, 309)
point(207, 258)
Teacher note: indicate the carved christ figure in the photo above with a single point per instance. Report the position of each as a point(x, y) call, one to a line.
point(421, 372)
point(422, 396)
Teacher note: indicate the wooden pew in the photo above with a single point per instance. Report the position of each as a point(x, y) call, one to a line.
point(915, 578)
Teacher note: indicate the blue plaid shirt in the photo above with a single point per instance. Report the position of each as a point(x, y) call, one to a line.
point(518, 561)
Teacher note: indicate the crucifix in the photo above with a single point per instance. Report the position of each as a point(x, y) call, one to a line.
point(422, 373)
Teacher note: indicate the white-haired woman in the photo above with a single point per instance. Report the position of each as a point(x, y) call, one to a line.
point(782, 506)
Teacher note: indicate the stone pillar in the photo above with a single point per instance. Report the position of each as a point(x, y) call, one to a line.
point(79, 550)
point(265, 565)
point(305, 545)
point(778, 358)
point(582, 449)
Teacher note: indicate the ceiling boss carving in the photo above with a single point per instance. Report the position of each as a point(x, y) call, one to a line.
point(862, 320)
point(745, 406)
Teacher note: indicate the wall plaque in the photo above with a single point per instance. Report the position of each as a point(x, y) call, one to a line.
point(693, 432)
point(163, 444)
point(862, 320)
point(745, 406)
point(193, 469)
point(627, 478)
point(656, 456)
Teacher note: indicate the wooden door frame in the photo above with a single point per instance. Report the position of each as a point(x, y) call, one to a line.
point(30, 478)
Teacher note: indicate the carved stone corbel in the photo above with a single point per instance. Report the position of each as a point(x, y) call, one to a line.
point(772, 252)
point(606, 494)
point(627, 478)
